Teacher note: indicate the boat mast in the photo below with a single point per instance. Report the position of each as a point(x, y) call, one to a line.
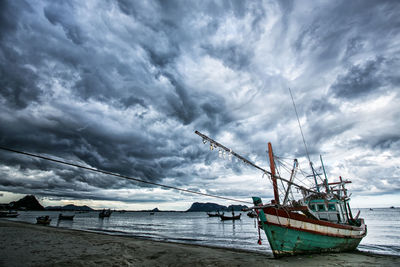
point(326, 178)
point(293, 173)
point(272, 167)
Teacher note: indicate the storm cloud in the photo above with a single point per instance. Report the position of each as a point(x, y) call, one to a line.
point(122, 85)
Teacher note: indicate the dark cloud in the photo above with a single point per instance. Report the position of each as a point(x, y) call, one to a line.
point(55, 13)
point(232, 55)
point(121, 86)
point(359, 80)
point(372, 77)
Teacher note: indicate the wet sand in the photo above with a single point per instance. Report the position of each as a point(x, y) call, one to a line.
point(23, 244)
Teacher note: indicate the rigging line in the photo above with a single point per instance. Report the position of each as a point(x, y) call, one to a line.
point(301, 130)
point(120, 175)
point(284, 165)
point(279, 157)
point(216, 144)
point(279, 172)
point(302, 181)
point(284, 162)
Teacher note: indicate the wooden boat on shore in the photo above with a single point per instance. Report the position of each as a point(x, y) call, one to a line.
point(318, 219)
point(321, 221)
point(66, 217)
point(44, 220)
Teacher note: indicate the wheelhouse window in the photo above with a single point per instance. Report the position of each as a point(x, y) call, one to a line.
point(312, 207)
point(331, 207)
point(321, 207)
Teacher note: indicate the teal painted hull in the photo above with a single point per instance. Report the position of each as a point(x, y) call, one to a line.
point(285, 241)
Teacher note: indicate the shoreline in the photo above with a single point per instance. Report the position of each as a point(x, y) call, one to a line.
point(25, 244)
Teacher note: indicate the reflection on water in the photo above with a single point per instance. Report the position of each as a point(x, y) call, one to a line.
point(64, 223)
point(198, 228)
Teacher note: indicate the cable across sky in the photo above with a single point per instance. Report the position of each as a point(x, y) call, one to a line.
point(120, 175)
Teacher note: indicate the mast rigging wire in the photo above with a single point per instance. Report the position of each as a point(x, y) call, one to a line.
point(301, 130)
point(120, 175)
point(216, 144)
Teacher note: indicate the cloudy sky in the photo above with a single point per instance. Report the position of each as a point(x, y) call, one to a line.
point(122, 86)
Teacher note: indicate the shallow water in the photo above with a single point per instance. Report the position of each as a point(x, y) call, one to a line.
point(197, 228)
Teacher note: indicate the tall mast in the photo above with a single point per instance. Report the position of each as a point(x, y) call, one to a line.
point(293, 173)
point(326, 178)
point(272, 166)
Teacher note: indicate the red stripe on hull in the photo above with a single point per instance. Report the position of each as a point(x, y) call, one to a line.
point(303, 218)
point(316, 232)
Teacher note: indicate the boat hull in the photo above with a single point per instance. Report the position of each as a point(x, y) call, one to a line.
point(291, 233)
point(285, 241)
point(230, 218)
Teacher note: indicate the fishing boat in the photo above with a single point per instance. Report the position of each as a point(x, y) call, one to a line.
point(66, 217)
point(44, 220)
point(252, 214)
point(217, 214)
point(315, 219)
point(9, 214)
point(105, 213)
point(230, 218)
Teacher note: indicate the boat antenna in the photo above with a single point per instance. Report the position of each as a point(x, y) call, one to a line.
point(301, 130)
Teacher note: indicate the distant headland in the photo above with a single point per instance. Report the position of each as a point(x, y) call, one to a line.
point(29, 202)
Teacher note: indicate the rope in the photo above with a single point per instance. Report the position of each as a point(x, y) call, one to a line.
point(120, 175)
point(301, 130)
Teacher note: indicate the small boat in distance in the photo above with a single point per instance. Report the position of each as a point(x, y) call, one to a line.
point(231, 218)
point(9, 214)
point(252, 214)
point(105, 213)
point(217, 214)
point(43, 220)
point(66, 217)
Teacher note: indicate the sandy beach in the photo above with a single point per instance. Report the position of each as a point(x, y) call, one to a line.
point(23, 244)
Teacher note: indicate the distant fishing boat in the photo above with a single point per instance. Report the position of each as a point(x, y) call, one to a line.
point(9, 214)
point(252, 214)
point(231, 218)
point(318, 220)
point(105, 213)
point(44, 220)
point(217, 214)
point(66, 217)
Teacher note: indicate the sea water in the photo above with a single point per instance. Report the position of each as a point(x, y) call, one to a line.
point(197, 228)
